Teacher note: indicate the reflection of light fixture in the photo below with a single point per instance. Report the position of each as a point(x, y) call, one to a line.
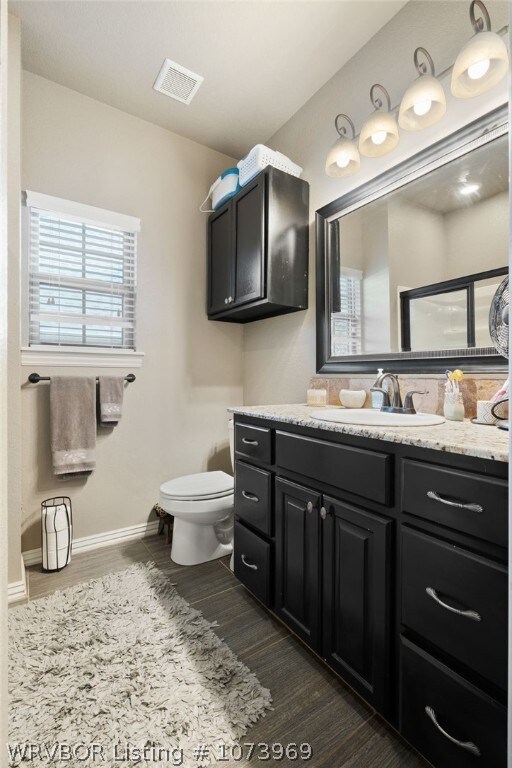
point(343, 158)
point(468, 189)
point(379, 135)
point(424, 102)
point(483, 61)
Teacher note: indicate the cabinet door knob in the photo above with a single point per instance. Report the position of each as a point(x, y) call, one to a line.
point(230, 299)
point(309, 506)
point(467, 745)
point(323, 513)
point(226, 301)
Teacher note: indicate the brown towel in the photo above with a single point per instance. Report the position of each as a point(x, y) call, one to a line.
point(111, 399)
point(73, 425)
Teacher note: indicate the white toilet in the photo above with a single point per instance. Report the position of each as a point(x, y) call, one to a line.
point(202, 507)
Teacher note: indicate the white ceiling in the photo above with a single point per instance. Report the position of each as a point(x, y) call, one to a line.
point(261, 59)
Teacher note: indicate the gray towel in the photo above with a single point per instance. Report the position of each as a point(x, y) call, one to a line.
point(73, 425)
point(111, 399)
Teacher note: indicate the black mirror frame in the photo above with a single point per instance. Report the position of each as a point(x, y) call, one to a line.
point(485, 129)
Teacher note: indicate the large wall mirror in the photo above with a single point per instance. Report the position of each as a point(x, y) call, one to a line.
point(407, 265)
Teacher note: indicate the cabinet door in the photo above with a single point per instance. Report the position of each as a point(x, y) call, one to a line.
point(298, 560)
point(356, 553)
point(249, 222)
point(221, 286)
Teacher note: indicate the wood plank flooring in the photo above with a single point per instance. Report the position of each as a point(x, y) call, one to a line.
point(309, 703)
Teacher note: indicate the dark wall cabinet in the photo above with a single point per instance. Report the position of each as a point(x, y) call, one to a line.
point(258, 250)
point(402, 592)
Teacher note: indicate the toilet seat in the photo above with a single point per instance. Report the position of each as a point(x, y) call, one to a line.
point(199, 487)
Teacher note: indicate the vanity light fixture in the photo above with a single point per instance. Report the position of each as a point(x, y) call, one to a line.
point(343, 158)
point(379, 135)
point(424, 102)
point(483, 61)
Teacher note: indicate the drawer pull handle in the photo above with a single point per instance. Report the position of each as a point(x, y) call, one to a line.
point(467, 745)
point(250, 496)
point(470, 507)
point(246, 441)
point(468, 614)
point(252, 566)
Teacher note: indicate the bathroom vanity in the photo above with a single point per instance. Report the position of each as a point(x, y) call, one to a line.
point(385, 551)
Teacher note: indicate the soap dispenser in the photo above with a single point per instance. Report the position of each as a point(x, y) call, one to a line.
point(377, 396)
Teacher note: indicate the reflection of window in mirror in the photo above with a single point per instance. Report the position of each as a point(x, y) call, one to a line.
point(346, 322)
point(449, 224)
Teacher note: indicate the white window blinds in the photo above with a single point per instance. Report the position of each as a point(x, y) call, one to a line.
point(82, 276)
point(346, 330)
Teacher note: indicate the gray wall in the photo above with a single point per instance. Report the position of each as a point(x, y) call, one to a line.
point(174, 419)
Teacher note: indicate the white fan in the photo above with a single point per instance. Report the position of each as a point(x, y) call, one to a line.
point(498, 318)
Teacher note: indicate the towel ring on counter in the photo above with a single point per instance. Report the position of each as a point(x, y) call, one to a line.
point(35, 378)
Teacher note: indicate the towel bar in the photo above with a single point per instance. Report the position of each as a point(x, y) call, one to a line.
point(35, 378)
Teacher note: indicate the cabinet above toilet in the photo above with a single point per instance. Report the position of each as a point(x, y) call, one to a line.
point(258, 250)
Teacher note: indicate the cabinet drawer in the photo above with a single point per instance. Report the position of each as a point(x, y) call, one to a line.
point(253, 496)
point(472, 719)
point(468, 502)
point(253, 442)
point(252, 562)
point(364, 473)
point(458, 601)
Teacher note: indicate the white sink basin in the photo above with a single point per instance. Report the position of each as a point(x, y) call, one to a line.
point(367, 417)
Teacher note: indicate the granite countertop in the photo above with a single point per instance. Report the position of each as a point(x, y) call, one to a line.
point(461, 437)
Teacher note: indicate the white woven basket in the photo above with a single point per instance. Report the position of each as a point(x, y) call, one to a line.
point(259, 157)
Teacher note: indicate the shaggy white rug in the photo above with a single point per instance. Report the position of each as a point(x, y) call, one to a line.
point(125, 660)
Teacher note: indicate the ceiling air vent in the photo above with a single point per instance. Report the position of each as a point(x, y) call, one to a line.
point(177, 82)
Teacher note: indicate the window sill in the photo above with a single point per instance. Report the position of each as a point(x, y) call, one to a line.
point(90, 357)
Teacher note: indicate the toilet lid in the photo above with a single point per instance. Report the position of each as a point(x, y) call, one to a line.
point(204, 485)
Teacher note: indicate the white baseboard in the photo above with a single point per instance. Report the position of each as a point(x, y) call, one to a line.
point(98, 540)
point(17, 590)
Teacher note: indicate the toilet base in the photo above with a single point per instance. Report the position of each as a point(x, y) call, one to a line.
point(193, 544)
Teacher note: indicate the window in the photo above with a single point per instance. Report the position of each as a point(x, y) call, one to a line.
point(81, 275)
point(346, 330)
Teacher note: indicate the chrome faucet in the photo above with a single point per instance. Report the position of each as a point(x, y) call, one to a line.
point(395, 404)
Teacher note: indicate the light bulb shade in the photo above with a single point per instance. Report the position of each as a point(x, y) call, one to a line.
point(482, 48)
point(379, 135)
point(343, 158)
point(423, 104)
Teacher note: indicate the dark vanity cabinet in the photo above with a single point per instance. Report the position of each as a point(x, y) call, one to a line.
point(297, 560)
point(390, 562)
point(356, 598)
point(258, 250)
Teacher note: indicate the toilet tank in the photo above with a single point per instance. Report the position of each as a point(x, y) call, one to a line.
point(231, 428)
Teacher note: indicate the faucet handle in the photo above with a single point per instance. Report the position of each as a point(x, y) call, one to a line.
point(385, 396)
point(409, 403)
